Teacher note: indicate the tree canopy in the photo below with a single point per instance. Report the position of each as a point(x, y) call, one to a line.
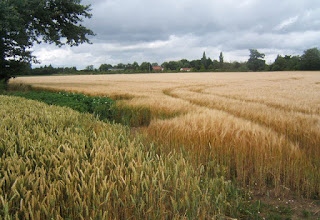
point(310, 60)
point(256, 61)
point(25, 22)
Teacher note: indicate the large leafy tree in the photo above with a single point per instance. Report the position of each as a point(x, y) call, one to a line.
point(310, 60)
point(256, 62)
point(25, 22)
point(286, 63)
point(146, 67)
point(105, 67)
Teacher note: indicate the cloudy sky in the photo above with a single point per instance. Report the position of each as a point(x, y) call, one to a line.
point(164, 30)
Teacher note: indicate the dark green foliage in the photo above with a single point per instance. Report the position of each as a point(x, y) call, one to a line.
point(124, 68)
point(48, 70)
point(256, 62)
point(185, 63)
point(145, 67)
point(135, 66)
point(286, 63)
point(105, 67)
point(103, 107)
point(310, 60)
point(24, 22)
point(221, 60)
point(100, 106)
point(204, 61)
point(3, 86)
point(172, 65)
point(89, 68)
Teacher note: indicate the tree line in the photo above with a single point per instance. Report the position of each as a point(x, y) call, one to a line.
point(310, 60)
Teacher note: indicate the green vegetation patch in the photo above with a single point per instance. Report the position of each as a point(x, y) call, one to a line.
point(100, 106)
point(105, 108)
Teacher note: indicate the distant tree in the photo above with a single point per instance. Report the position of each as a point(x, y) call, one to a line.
point(25, 22)
point(155, 64)
point(89, 68)
point(135, 65)
point(243, 67)
point(294, 63)
point(48, 70)
point(146, 67)
point(236, 65)
point(221, 60)
point(184, 63)
point(310, 60)
point(104, 67)
point(216, 64)
point(202, 68)
point(204, 61)
point(227, 66)
point(165, 65)
point(209, 63)
point(120, 66)
point(279, 64)
point(128, 66)
point(286, 63)
point(196, 64)
point(256, 62)
point(173, 65)
point(69, 70)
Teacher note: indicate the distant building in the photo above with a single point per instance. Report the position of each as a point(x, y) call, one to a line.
point(157, 68)
point(186, 69)
point(116, 69)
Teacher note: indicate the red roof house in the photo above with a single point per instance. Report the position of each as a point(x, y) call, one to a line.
point(157, 68)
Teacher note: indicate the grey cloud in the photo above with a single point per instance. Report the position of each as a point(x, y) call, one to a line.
point(136, 19)
point(128, 30)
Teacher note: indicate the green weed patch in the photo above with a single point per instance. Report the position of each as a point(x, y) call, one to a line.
point(99, 106)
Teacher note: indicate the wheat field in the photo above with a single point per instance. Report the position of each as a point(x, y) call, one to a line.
point(262, 128)
point(57, 163)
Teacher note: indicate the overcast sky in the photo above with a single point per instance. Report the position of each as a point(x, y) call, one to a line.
point(164, 30)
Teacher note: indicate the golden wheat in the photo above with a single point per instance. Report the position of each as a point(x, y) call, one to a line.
point(56, 164)
point(263, 127)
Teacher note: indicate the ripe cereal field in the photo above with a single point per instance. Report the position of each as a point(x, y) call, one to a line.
point(57, 163)
point(262, 129)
